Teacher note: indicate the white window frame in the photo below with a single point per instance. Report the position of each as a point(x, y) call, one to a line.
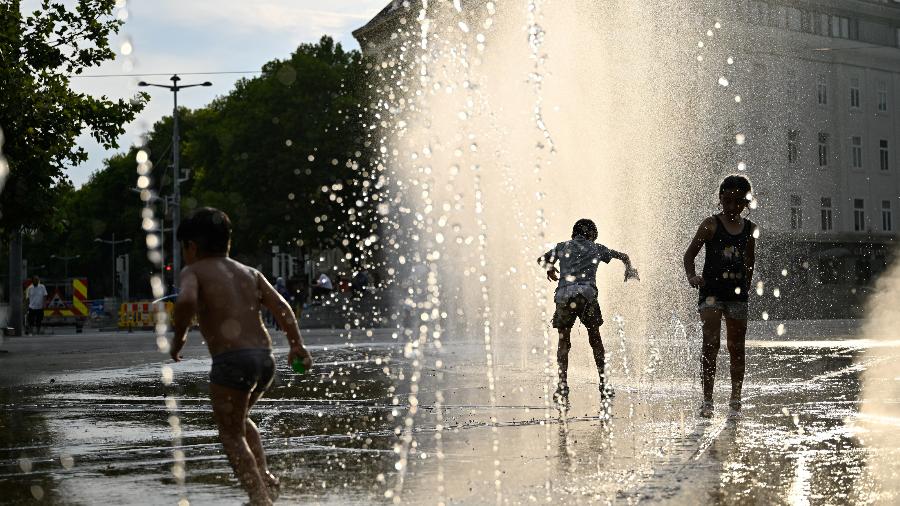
point(827, 223)
point(793, 153)
point(821, 90)
point(823, 139)
point(856, 152)
point(855, 97)
point(859, 215)
point(796, 212)
point(887, 218)
point(882, 97)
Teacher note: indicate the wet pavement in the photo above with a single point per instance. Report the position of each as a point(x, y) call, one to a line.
point(84, 419)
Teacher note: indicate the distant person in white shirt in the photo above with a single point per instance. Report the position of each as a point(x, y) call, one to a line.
point(36, 295)
point(323, 286)
point(576, 297)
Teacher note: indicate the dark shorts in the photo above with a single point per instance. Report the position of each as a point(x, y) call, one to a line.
point(35, 317)
point(588, 311)
point(733, 309)
point(246, 370)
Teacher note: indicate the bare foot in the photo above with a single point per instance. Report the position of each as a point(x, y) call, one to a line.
point(272, 483)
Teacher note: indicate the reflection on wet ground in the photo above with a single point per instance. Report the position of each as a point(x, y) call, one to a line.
point(93, 429)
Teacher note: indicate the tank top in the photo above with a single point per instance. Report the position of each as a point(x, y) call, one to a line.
point(725, 269)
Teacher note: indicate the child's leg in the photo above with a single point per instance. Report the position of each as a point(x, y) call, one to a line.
point(712, 327)
point(599, 354)
point(230, 412)
point(255, 443)
point(736, 332)
point(562, 357)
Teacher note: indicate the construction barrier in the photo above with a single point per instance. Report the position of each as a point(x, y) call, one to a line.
point(142, 314)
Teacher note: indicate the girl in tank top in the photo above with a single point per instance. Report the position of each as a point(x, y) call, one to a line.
point(730, 242)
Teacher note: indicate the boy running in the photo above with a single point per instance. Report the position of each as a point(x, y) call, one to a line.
point(730, 242)
point(227, 297)
point(576, 297)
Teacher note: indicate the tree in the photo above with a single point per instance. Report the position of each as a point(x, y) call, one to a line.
point(265, 151)
point(40, 115)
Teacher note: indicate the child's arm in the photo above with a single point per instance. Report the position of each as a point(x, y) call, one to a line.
point(185, 309)
point(284, 315)
point(548, 261)
point(704, 233)
point(630, 271)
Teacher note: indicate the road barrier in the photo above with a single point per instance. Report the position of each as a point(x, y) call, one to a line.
point(142, 314)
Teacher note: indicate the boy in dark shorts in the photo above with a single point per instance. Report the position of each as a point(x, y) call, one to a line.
point(576, 297)
point(227, 297)
point(730, 242)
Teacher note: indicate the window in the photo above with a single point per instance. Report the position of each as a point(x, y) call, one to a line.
point(854, 93)
point(823, 149)
point(856, 152)
point(821, 90)
point(796, 213)
point(827, 217)
point(859, 215)
point(823, 24)
point(792, 146)
point(793, 18)
point(840, 27)
point(884, 155)
point(886, 222)
point(882, 96)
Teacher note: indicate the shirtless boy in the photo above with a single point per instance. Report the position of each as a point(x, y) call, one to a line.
point(227, 297)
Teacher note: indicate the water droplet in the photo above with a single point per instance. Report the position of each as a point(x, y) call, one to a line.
point(740, 139)
point(723, 81)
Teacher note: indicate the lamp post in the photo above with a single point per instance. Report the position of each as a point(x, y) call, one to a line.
point(113, 243)
point(66, 262)
point(176, 160)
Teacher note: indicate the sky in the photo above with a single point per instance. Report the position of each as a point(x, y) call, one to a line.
point(181, 36)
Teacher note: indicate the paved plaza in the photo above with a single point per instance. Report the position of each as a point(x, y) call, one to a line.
point(83, 420)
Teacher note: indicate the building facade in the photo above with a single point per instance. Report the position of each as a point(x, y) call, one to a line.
point(825, 129)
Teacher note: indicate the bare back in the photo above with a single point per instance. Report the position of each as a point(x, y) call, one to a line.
point(228, 306)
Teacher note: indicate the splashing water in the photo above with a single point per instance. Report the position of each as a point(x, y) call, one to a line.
point(576, 122)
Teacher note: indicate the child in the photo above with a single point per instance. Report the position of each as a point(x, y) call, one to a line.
point(227, 297)
point(576, 296)
point(730, 242)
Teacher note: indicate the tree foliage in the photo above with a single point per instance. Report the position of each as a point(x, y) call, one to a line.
point(263, 153)
point(40, 115)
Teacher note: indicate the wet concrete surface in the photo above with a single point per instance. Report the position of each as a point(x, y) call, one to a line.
point(84, 420)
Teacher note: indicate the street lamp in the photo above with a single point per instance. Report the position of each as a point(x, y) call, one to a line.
point(66, 262)
point(113, 243)
point(176, 194)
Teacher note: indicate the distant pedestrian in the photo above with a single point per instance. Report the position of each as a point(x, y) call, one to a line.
point(323, 287)
point(37, 297)
point(724, 286)
point(227, 296)
point(360, 282)
point(576, 297)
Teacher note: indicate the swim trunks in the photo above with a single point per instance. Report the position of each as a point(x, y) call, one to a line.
point(249, 369)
